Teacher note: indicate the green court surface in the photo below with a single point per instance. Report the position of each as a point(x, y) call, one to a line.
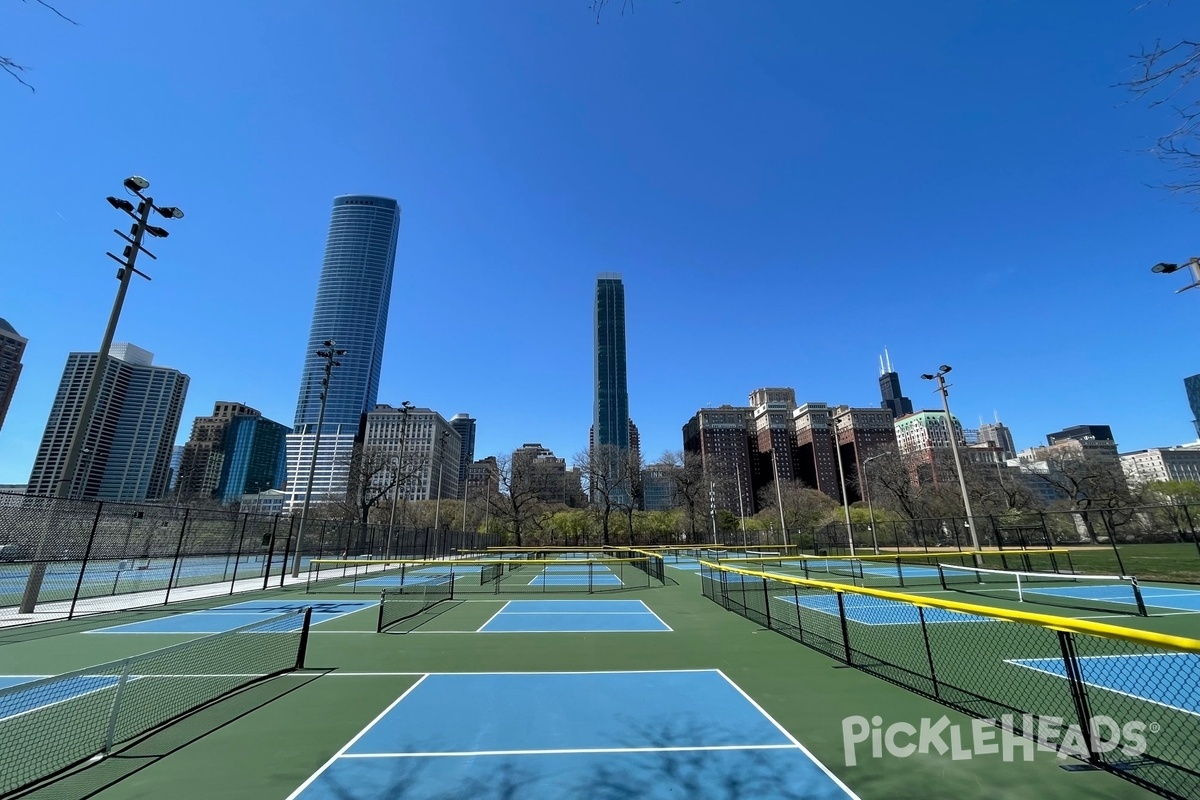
point(664, 665)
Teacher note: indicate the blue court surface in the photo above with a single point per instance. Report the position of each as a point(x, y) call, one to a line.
point(15, 703)
point(226, 618)
point(877, 611)
point(576, 579)
point(413, 579)
point(1155, 678)
point(574, 616)
point(1154, 596)
point(548, 736)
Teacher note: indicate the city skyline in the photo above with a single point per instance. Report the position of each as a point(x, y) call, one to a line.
point(520, 185)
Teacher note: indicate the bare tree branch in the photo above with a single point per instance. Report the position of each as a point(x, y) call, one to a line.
point(12, 67)
point(1167, 77)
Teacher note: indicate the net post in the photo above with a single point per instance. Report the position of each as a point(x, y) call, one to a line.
point(1137, 596)
point(83, 564)
point(114, 712)
point(1066, 642)
point(1020, 594)
point(591, 566)
point(379, 616)
point(942, 577)
point(899, 570)
point(845, 629)
point(303, 648)
point(767, 603)
point(937, 692)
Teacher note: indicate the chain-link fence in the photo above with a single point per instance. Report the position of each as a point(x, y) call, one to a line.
point(1159, 542)
point(1121, 700)
point(73, 557)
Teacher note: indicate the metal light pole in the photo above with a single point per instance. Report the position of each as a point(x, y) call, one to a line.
point(330, 354)
point(778, 497)
point(712, 507)
point(135, 185)
point(867, 494)
point(940, 377)
point(1192, 263)
point(837, 448)
point(437, 506)
point(405, 407)
point(737, 471)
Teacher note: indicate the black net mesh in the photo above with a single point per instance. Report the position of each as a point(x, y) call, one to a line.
point(52, 724)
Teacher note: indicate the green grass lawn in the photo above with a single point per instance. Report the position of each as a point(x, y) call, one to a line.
point(1159, 562)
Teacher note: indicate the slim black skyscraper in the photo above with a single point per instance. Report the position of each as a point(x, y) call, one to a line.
point(610, 413)
point(464, 424)
point(889, 387)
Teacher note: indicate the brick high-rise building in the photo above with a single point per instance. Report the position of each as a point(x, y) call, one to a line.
point(861, 433)
point(725, 440)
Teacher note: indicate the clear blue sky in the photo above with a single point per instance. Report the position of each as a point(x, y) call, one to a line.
point(786, 187)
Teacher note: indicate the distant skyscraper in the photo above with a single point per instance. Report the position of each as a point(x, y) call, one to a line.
point(204, 454)
point(128, 446)
point(465, 425)
point(889, 387)
point(610, 415)
point(12, 345)
point(998, 435)
point(352, 309)
point(1191, 385)
point(255, 457)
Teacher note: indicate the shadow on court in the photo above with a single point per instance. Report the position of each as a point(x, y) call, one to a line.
point(88, 780)
point(696, 775)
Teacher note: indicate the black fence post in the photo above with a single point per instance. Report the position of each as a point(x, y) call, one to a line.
point(1078, 693)
point(178, 550)
point(1112, 540)
point(1191, 527)
point(937, 692)
point(845, 629)
point(270, 551)
point(237, 559)
point(83, 565)
point(287, 552)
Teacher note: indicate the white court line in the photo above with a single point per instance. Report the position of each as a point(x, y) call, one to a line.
point(580, 613)
point(1016, 663)
point(357, 736)
point(578, 630)
point(1131, 614)
point(492, 617)
point(791, 738)
point(656, 616)
point(472, 753)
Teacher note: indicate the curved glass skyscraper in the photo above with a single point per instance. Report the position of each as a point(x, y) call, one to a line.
point(351, 309)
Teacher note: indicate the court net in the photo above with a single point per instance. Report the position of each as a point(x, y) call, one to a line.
point(514, 573)
point(52, 724)
point(1118, 593)
point(404, 602)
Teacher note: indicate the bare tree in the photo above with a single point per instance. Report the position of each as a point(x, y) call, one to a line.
point(518, 503)
point(689, 485)
point(16, 70)
point(1088, 481)
point(1166, 76)
point(607, 469)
